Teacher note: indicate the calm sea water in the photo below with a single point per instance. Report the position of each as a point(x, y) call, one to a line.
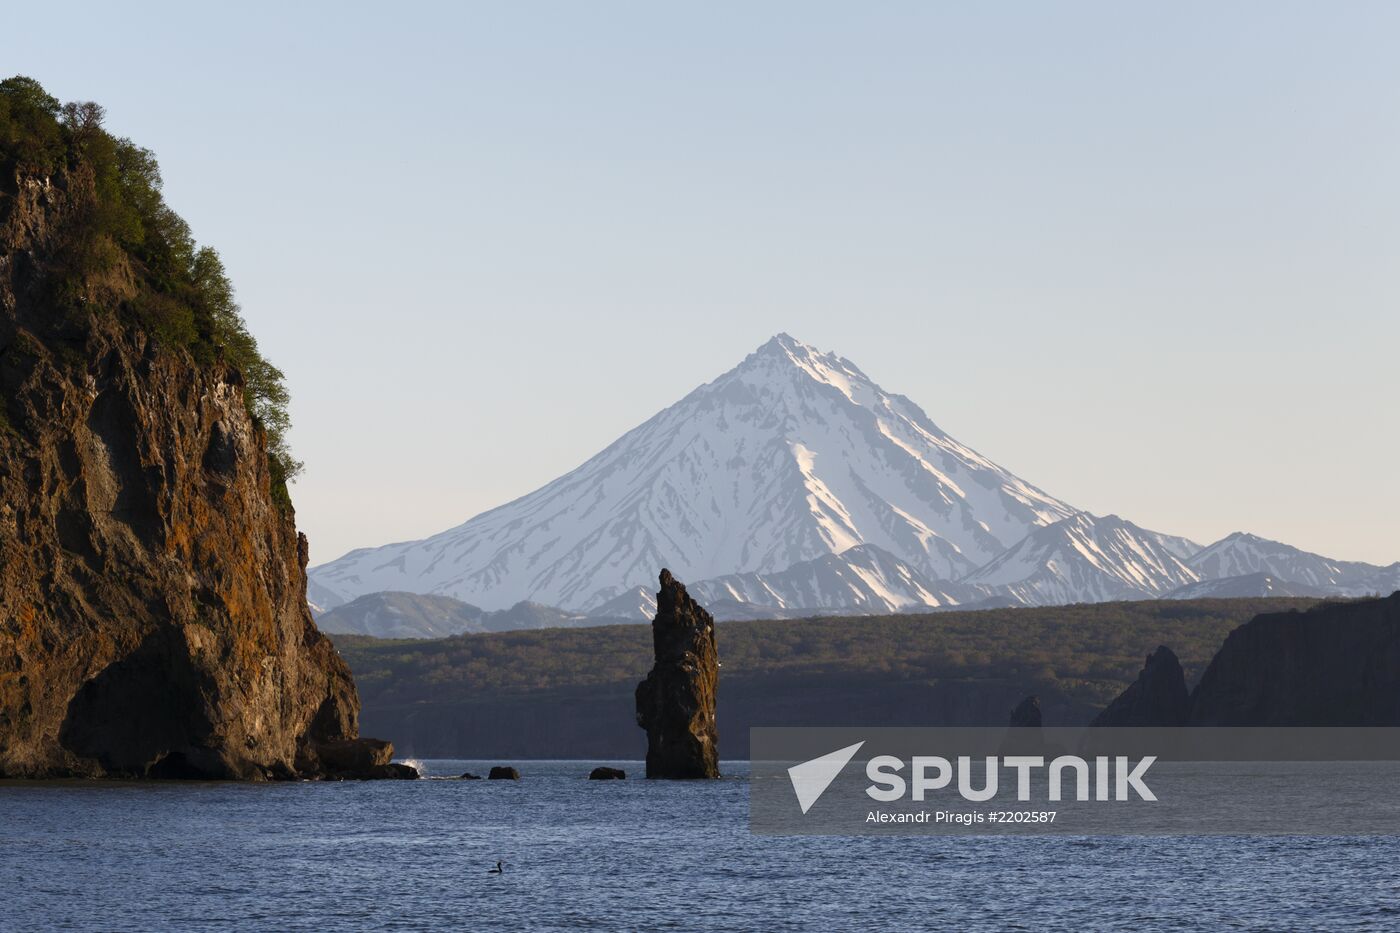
point(620, 855)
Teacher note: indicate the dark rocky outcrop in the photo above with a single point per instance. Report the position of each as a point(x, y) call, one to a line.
point(1157, 698)
point(503, 773)
point(1023, 735)
point(394, 771)
point(468, 776)
point(355, 759)
point(1335, 665)
point(676, 702)
point(607, 774)
point(1026, 715)
point(153, 618)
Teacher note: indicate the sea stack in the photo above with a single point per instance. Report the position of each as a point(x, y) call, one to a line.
point(676, 703)
point(1026, 715)
point(1158, 697)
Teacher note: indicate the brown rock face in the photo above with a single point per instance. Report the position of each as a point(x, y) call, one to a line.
point(676, 703)
point(153, 618)
point(1157, 698)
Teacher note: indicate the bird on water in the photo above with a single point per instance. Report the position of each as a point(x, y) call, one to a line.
point(497, 870)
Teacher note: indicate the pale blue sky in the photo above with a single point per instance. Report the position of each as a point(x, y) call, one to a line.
point(1143, 256)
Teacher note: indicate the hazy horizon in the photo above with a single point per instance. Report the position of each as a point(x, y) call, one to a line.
point(483, 243)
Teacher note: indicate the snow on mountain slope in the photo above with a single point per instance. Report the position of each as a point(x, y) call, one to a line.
point(862, 579)
point(1179, 547)
point(1249, 585)
point(636, 604)
point(1085, 558)
point(1240, 554)
point(792, 455)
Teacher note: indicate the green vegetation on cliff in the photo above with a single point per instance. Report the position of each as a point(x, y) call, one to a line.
point(185, 298)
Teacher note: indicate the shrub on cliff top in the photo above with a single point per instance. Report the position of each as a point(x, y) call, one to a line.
point(186, 299)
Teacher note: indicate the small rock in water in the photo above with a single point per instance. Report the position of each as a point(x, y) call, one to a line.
point(502, 773)
point(395, 771)
point(607, 774)
point(468, 776)
point(355, 760)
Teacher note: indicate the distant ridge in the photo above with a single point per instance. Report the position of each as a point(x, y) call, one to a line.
point(1242, 554)
point(1247, 586)
point(416, 615)
point(864, 579)
point(1086, 559)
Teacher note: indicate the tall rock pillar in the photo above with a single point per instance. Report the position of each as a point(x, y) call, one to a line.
point(676, 703)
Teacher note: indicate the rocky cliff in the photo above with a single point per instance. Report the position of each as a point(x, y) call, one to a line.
point(153, 618)
point(1337, 664)
point(676, 702)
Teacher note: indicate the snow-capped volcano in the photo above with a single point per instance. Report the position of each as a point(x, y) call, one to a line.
point(792, 455)
point(1247, 586)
